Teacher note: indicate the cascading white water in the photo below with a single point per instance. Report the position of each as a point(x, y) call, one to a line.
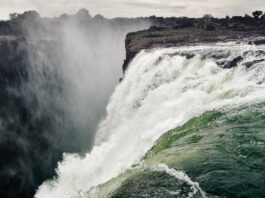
point(162, 89)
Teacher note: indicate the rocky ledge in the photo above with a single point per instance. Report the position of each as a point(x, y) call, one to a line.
point(173, 32)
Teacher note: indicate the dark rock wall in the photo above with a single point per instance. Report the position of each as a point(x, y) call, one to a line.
point(40, 116)
point(170, 32)
point(29, 148)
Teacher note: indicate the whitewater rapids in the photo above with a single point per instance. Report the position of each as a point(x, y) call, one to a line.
point(162, 89)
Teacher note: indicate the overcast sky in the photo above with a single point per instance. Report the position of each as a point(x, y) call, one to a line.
point(133, 8)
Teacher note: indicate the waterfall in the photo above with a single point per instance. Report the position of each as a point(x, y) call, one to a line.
point(162, 89)
point(56, 80)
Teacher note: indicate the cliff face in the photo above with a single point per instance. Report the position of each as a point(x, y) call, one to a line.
point(13, 55)
point(27, 155)
point(173, 32)
point(40, 64)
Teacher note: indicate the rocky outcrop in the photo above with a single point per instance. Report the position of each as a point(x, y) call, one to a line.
point(171, 32)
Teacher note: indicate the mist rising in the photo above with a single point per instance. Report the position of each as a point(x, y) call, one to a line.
point(65, 69)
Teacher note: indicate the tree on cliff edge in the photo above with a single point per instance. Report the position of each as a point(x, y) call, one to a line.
point(257, 14)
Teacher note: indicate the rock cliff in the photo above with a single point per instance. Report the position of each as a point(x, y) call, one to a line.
point(173, 32)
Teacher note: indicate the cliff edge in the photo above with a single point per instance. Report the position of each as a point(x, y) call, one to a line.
point(173, 32)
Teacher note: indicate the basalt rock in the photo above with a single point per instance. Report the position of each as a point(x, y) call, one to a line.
point(170, 37)
point(250, 63)
point(172, 32)
point(233, 63)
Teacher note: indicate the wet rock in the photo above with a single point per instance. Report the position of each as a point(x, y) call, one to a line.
point(13, 59)
point(259, 42)
point(129, 57)
point(257, 53)
point(233, 63)
point(185, 54)
point(251, 63)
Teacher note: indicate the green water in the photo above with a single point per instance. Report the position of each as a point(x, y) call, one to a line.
point(224, 151)
point(153, 184)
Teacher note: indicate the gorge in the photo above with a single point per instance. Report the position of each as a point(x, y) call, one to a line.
point(186, 120)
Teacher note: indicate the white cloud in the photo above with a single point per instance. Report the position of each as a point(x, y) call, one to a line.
point(132, 8)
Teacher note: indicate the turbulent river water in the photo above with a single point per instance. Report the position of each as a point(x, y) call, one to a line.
point(216, 111)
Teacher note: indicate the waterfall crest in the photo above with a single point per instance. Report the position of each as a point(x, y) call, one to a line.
point(162, 89)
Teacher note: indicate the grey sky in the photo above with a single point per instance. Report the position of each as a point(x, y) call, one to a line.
point(132, 8)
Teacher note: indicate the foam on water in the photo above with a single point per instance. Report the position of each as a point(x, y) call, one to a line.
point(180, 175)
point(162, 89)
